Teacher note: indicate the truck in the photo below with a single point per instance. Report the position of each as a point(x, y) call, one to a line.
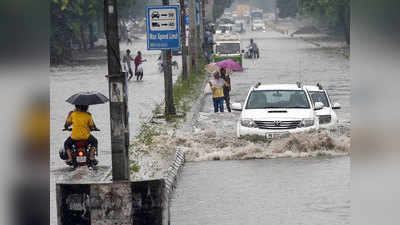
point(257, 19)
point(227, 46)
point(256, 14)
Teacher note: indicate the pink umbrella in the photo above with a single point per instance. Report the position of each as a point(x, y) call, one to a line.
point(229, 63)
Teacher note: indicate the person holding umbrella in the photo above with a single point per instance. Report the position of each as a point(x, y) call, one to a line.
point(225, 75)
point(217, 92)
point(82, 123)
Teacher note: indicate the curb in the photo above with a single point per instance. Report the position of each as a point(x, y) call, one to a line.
point(174, 171)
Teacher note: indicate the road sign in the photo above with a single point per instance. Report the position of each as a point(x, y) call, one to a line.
point(163, 27)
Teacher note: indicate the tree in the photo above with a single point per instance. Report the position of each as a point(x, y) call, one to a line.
point(73, 20)
point(335, 12)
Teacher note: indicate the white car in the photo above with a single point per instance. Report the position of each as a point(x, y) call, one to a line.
point(258, 25)
point(327, 116)
point(273, 110)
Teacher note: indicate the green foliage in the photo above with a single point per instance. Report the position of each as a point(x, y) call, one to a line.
point(336, 13)
point(287, 8)
point(188, 88)
point(134, 166)
point(70, 21)
point(146, 134)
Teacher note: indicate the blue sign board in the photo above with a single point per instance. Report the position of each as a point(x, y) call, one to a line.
point(186, 15)
point(163, 27)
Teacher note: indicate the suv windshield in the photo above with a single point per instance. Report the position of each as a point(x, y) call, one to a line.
point(278, 99)
point(319, 96)
point(227, 48)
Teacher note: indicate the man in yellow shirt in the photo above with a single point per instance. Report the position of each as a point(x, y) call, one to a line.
point(217, 87)
point(82, 123)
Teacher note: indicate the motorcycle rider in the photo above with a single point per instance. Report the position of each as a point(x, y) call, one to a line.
point(253, 49)
point(82, 123)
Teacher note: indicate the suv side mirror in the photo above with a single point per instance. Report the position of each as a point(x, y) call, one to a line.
point(236, 106)
point(318, 105)
point(336, 106)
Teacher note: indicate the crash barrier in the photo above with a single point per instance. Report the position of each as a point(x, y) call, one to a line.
point(122, 203)
point(174, 171)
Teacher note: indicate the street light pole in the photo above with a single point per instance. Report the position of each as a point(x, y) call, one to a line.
point(117, 84)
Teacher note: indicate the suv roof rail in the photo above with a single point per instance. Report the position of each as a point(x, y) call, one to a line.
point(299, 84)
point(320, 86)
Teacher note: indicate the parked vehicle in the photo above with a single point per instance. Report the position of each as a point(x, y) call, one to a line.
point(276, 109)
point(327, 115)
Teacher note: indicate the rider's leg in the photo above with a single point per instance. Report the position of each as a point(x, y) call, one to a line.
point(68, 146)
point(69, 155)
point(93, 142)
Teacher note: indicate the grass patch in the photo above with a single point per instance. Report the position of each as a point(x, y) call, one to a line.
point(134, 167)
point(189, 88)
point(146, 134)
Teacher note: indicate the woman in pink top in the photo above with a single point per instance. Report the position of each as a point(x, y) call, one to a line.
point(138, 67)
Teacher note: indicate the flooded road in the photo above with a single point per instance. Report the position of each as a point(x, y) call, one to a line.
point(66, 81)
point(291, 184)
point(280, 191)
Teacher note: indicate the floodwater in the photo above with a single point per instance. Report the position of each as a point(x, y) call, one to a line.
point(66, 81)
point(283, 186)
point(280, 191)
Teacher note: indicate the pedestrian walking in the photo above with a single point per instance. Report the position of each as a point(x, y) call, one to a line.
point(225, 75)
point(217, 86)
point(138, 66)
point(127, 63)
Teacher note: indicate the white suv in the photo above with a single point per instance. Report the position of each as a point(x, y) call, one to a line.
point(327, 116)
point(272, 110)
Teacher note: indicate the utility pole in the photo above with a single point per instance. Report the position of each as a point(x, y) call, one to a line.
point(117, 85)
point(183, 40)
point(192, 34)
point(169, 93)
point(201, 23)
point(198, 38)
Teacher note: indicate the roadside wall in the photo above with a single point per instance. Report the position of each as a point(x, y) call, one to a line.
point(122, 203)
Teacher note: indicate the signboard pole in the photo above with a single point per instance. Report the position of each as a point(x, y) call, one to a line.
point(168, 84)
point(192, 30)
point(183, 40)
point(118, 95)
point(198, 38)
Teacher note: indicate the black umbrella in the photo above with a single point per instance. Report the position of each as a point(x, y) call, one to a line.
point(87, 98)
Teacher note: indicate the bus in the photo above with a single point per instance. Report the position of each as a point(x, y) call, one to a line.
point(227, 46)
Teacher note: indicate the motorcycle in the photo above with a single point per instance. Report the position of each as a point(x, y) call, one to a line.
point(250, 54)
point(80, 153)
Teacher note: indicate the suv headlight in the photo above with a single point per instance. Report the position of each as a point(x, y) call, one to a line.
point(306, 123)
point(247, 123)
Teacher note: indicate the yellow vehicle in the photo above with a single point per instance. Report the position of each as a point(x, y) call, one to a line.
point(227, 46)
